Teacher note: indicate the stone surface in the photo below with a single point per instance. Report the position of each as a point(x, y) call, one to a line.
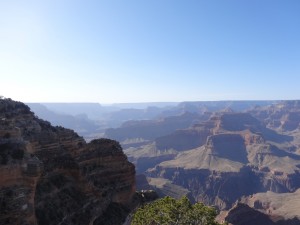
point(242, 214)
point(151, 129)
point(50, 175)
point(278, 206)
point(283, 116)
point(240, 153)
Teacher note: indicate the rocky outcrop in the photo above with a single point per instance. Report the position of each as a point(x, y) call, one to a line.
point(151, 129)
point(228, 146)
point(50, 175)
point(239, 122)
point(103, 163)
point(183, 139)
point(188, 138)
point(290, 121)
point(196, 136)
point(144, 163)
point(239, 154)
point(242, 214)
point(211, 187)
point(282, 208)
point(283, 116)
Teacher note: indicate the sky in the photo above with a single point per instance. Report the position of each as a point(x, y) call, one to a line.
point(117, 51)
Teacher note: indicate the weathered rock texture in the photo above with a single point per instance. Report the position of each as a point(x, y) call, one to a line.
point(50, 175)
point(151, 129)
point(240, 156)
point(242, 214)
point(284, 116)
point(279, 207)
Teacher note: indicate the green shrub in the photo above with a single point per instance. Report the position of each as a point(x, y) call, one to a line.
point(169, 211)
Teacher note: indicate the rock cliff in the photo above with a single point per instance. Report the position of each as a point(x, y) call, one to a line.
point(283, 116)
point(242, 214)
point(50, 175)
point(240, 157)
point(151, 129)
point(281, 208)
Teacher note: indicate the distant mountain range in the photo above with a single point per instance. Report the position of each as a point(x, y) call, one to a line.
point(91, 119)
point(221, 153)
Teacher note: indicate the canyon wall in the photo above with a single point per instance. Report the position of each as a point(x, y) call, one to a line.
point(50, 175)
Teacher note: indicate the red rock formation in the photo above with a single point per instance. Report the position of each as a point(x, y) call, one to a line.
point(50, 175)
point(240, 157)
point(195, 136)
point(284, 116)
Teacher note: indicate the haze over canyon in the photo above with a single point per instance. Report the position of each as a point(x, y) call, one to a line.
point(242, 157)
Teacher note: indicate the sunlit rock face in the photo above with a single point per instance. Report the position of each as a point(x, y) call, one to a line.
point(240, 157)
point(283, 116)
point(50, 175)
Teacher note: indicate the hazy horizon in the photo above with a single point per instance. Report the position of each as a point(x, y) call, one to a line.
point(162, 102)
point(149, 51)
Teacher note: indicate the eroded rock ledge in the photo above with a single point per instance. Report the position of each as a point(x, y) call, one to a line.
point(50, 175)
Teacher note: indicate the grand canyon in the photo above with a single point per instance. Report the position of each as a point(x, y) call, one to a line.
point(241, 157)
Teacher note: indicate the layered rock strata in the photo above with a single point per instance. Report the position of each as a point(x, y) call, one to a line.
point(50, 175)
point(240, 157)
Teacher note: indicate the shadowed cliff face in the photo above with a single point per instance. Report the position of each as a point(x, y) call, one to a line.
point(244, 215)
point(49, 175)
point(283, 116)
point(239, 122)
point(280, 208)
point(239, 157)
point(196, 135)
point(228, 146)
point(151, 129)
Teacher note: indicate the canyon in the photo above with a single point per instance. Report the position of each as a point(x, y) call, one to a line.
point(242, 157)
point(225, 156)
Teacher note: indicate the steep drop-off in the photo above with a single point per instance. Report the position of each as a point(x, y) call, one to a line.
point(283, 116)
point(151, 129)
point(239, 157)
point(50, 175)
point(279, 207)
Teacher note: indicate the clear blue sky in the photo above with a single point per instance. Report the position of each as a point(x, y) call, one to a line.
point(140, 51)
